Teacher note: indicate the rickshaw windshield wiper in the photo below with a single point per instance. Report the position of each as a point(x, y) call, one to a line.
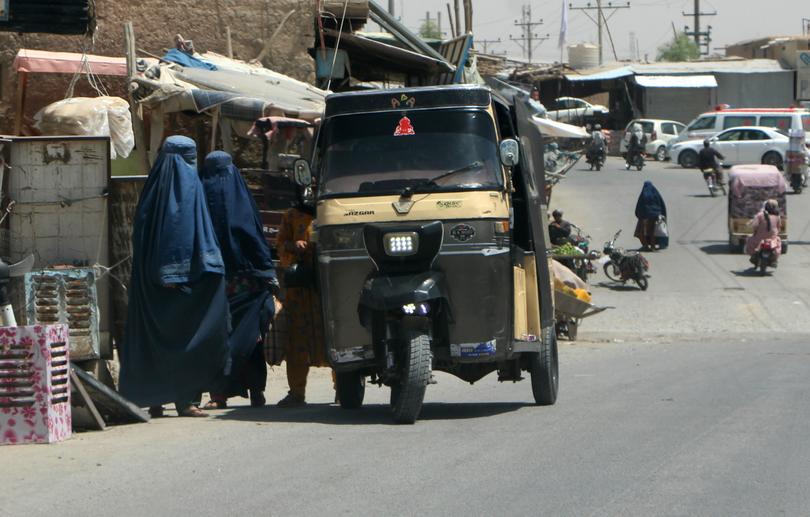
point(432, 181)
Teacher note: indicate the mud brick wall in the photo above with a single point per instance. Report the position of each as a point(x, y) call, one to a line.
point(252, 22)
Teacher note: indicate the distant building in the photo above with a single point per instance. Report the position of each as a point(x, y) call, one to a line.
point(781, 48)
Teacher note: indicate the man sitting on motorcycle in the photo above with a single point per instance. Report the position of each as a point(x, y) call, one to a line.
point(559, 230)
point(597, 147)
point(637, 143)
point(708, 161)
point(766, 224)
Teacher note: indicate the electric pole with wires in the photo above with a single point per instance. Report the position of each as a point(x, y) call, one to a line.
point(703, 39)
point(529, 39)
point(601, 20)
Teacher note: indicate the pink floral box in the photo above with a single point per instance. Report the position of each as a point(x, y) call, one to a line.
point(34, 384)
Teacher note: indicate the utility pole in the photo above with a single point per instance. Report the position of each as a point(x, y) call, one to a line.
point(805, 26)
point(486, 42)
point(439, 23)
point(528, 37)
point(703, 39)
point(601, 19)
point(457, 9)
point(391, 7)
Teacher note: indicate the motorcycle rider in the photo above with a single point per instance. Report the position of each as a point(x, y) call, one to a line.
point(766, 224)
point(559, 230)
point(597, 146)
point(708, 161)
point(637, 144)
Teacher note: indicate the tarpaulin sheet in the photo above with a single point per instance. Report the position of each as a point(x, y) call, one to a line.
point(756, 176)
point(42, 61)
point(183, 59)
point(553, 129)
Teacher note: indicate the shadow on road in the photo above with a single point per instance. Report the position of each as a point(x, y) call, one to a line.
point(751, 272)
point(376, 414)
point(717, 249)
point(615, 286)
point(700, 195)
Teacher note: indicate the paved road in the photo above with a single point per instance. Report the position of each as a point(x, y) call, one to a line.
point(656, 419)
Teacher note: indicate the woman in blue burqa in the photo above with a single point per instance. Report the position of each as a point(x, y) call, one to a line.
point(649, 207)
point(176, 338)
point(250, 275)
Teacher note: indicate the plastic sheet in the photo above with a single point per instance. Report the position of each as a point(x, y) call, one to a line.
point(85, 116)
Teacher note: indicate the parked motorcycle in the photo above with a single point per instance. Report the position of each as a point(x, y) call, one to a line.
point(623, 266)
point(764, 257)
point(583, 266)
point(636, 160)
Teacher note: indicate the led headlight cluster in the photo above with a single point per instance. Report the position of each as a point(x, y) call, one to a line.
point(401, 244)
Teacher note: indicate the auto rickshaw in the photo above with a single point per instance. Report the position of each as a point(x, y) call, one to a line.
point(431, 242)
point(749, 187)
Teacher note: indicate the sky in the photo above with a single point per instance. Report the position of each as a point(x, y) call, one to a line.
point(649, 20)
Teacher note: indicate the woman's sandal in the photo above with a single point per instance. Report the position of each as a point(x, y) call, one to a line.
point(191, 411)
point(216, 404)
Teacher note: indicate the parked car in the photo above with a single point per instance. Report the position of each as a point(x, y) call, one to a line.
point(739, 145)
point(711, 123)
point(571, 109)
point(658, 132)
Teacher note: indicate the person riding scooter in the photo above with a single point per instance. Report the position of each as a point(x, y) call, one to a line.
point(596, 148)
point(767, 225)
point(636, 145)
point(709, 160)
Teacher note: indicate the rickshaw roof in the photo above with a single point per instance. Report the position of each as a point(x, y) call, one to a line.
point(757, 176)
point(401, 99)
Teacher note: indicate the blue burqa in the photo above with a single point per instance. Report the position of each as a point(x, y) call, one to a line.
point(175, 344)
point(248, 265)
point(650, 204)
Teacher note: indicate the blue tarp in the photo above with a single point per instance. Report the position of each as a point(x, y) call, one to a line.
point(181, 58)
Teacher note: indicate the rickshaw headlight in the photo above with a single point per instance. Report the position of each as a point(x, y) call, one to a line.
point(401, 244)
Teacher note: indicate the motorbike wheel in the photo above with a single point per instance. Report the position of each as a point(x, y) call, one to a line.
point(711, 190)
point(796, 183)
point(545, 372)
point(763, 265)
point(598, 165)
point(643, 283)
point(613, 272)
point(351, 389)
point(408, 395)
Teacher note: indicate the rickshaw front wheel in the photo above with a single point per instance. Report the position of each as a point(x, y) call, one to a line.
point(407, 395)
point(351, 389)
point(544, 369)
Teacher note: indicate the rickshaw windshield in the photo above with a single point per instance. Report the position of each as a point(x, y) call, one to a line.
point(386, 153)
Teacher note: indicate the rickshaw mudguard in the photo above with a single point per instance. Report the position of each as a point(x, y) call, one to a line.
point(390, 292)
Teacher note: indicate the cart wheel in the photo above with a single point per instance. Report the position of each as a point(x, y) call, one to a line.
point(612, 271)
point(573, 328)
point(351, 388)
point(544, 369)
point(407, 396)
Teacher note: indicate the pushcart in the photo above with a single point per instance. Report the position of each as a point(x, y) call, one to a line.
point(569, 311)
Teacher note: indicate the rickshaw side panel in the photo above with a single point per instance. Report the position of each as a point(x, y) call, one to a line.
point(749, 187)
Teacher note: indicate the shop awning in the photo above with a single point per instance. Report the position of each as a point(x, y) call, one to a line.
point(676, 81)
point(42, 61)
point(553, 129)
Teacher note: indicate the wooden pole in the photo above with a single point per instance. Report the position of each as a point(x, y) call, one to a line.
point(228, 42)
point(22, 83)
point(450, 19)
point(468, 16)
point(134, 107)
point(457, 8)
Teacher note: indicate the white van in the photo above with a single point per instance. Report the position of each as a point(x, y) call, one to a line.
point(709, 124)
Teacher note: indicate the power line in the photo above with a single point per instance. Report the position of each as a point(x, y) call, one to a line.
point(601, 19)
point(703, 39)
point(486, 42)
point(529, 37)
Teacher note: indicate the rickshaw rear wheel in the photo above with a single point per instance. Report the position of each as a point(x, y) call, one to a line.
point(351, 389)
point(407, 396)
point(544, 369)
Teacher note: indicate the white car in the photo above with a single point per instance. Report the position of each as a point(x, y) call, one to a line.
point(571, 109)
point(738, 145)
point(658, 132)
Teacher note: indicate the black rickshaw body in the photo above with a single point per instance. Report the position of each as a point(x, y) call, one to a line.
point(478, 279)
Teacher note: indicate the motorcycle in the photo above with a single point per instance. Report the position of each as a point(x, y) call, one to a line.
point(595, 157)
point(583, 266)
point(714, 180)
point(623, 266)
point(635, 160)
point(764, 257)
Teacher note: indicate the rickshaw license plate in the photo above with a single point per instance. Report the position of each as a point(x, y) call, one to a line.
point(471, 350)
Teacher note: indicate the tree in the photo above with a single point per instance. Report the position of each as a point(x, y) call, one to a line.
point(681, 48)
point(430, 30)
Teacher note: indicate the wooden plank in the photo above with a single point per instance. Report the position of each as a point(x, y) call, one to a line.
point(134, 107)
point(86, 400)
point(22, 82)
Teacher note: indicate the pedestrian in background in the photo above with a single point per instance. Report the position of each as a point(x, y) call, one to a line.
point(250, 275)
point(175, 344)
point(649, 207)
point(304, 346)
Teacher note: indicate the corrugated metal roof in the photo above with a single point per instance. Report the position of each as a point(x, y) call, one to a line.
point(676, 81)
point(736, 66)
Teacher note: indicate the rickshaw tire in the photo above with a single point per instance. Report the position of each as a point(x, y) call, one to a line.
point(406, 401)
point(351, 389)
point(544, 370)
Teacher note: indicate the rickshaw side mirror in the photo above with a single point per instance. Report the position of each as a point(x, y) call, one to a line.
point(509, 152)
point(302, 174)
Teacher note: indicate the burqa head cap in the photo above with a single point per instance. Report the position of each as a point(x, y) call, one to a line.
point(181, 145)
